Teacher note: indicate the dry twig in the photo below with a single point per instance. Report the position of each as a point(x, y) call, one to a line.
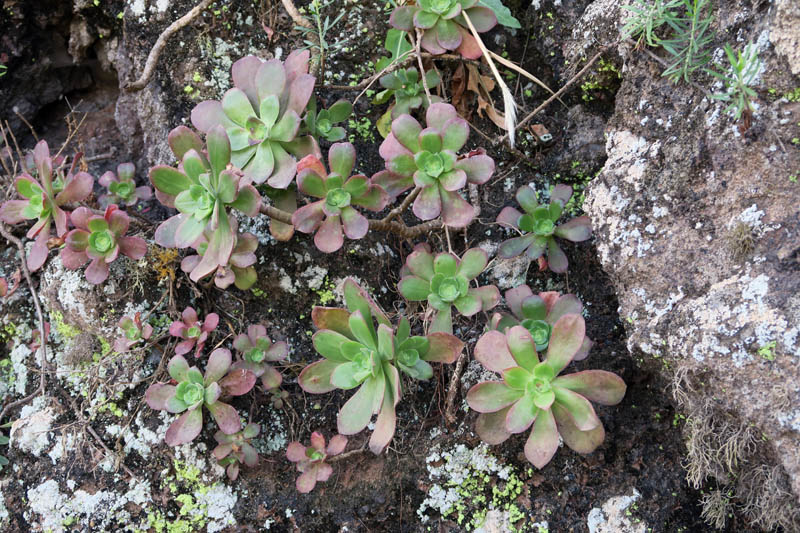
point(39, 315)
point(161, 42)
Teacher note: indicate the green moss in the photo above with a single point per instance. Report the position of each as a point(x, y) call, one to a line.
point(768, 351)
point(362, 127)
point(65, 330)
point(184, 486)
point(793, 96)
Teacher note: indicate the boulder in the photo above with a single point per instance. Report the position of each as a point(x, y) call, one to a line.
point(696, 220)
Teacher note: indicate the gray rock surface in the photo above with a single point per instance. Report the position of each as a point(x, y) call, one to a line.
point(696, 220)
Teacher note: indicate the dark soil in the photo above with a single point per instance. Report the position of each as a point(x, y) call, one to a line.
point(643, 446)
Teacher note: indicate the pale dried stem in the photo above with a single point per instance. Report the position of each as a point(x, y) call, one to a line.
point(421, 68)
point(449, 404)
point(161, 42)
point(39, 315)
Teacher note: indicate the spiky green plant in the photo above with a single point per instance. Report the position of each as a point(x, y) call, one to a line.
point(533, 394)
point(744, 70)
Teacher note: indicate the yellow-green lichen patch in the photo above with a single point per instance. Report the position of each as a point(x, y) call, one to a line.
point(469, 485)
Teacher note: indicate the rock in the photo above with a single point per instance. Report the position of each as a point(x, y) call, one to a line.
point(696, 222)
point(31, 432)
point(784, 34)
point(613, 517)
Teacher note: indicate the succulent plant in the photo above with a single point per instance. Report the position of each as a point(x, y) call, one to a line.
point(99, 239)
point(408, 91)
point(133, 331)
point(234, 450)
point(257, 351)
point(359, 355)
point(538, 314)
point(44, 197)
point(194, 390)
point(311, 459)
point(339, 192)
point(533, 394)
point(539, 229)
point(322, 123)
point(193, 331)
point(202, 188)
point(444, 282)
point(122, 189)
point(427, 158)
point(238, 271)
point(443, 24)
point(261, 114)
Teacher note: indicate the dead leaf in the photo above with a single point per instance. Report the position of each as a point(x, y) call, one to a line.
point(483, 86)
point(269, 31)
point(458, 87)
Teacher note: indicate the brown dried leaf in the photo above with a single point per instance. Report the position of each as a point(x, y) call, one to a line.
point(482, 86)
point(458, 87)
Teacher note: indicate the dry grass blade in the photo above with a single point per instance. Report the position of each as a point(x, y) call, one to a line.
point(509, 106)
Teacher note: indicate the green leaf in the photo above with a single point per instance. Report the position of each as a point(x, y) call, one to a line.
point(169, 180)
point(398, 46)
point(502, 13)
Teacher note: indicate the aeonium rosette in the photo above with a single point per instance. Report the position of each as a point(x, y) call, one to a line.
point(122, 189)
point(261, 115)
point(44, 198)
point(538, 314)
point(334, 214)
point(202, 188)
point(532, 394)
point(428, 159)
point(99, 239)
point(443, 25)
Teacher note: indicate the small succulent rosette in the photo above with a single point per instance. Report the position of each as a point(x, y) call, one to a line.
point(256, 351)
point(408, 90)
point(121, 187)
point(133, 332)
point(99, 239)
point(261, 115)
point(322, 124)
point(539, 227)
point(235, 450)
point(538, 313)
point(443, 24)
point(532, 394)
point(311, 459)
point(444, 281)
point(427, 158)
point(334, 215)
point(194, 390)
point(193, 331)
point(44, 199)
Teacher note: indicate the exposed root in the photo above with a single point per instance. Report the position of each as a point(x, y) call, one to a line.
point(716, 508)
point(722, 448)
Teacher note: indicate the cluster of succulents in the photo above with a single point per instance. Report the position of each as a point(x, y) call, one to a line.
point(266, 131)
point(357, 355)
